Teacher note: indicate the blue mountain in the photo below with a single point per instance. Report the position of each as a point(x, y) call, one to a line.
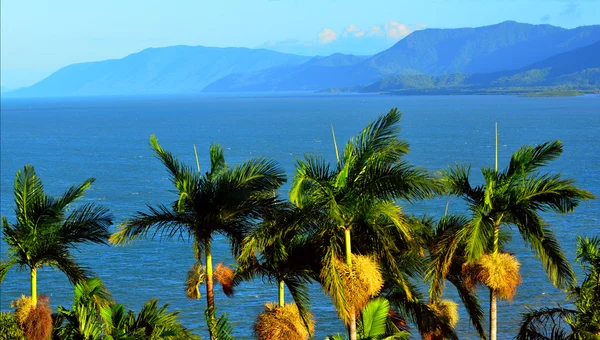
point(579, 68)
point(446, 56)
point(176, 69)
point(505, 46)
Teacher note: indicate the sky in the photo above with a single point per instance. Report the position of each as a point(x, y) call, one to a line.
point(38, 37)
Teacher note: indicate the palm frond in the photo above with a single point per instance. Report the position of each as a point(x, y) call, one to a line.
point(333, 285)
point(87, 223)
point(75, 192)
point(74, 272)
point(311, 173)
point(547, 248)
point(550, 193)
point(28, 193)
point(5, 267)
point(529, 158)
point(221, 328)
point(398, 181)
point(373, 318)
point(588, 250)
point(158, 221)
point(217, 160)
point(456, 180)
point(477, 235)
point(470, 301)
point(299, 290)
point(545, 324)
point(256, 175)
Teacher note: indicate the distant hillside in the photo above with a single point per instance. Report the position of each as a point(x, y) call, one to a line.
point(177, 69)
point(426, 58)
point(505, 46)
point(579, 68)
point(309, 76)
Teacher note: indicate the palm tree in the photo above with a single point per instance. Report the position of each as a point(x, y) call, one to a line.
point(583, 322)
point(363, 182)
point(47, 228)
point(278, 251)
point(225, 200)
point(516, 196)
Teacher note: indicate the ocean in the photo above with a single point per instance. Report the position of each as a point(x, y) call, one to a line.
point(69, 140)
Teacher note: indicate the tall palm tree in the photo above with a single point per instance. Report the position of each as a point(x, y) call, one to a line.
point(364, 182)
point(47, 228)
point(224, 200)
point(516, 196)
point(583, 322)
point(278, 251)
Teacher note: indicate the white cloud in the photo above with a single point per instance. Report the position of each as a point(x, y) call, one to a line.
point(350, 39)
point(353, 30)
point(327, 35)
point(396, 30)
point(375, 31)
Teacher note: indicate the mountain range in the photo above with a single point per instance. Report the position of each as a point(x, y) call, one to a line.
point(503, 55)
point(167, 70)
point(579, 68)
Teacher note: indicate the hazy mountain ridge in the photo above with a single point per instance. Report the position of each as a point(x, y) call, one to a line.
point(505, 46)
point(577, 68)
point(427, 58)
point(337, 68)
point(176, 69)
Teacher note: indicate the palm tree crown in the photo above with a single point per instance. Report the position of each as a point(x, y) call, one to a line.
point(46, 231)
point(224, 200)
point(516, 196)
point(358, 193)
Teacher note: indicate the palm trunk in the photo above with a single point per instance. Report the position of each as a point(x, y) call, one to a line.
point(281, 294)
point(34, 287)
point(352, 323)
point(493, 316)
point(210, 296)
point(493, 319)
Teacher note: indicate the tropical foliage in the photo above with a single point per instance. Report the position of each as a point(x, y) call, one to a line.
point(95, 315)
point(514, 196)
point(343, 228)
point(580, 322)
point(224, 200)
point(375, 323)
point(47, 229)
point(355, 199)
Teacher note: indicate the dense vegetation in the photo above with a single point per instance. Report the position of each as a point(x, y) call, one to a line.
point(342, 228)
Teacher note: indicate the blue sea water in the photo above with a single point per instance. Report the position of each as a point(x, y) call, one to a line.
point(69, 140)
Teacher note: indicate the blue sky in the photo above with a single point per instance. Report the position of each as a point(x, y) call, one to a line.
point(38, 37)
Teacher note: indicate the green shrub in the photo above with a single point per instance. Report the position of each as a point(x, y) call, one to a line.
point(9, 329)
